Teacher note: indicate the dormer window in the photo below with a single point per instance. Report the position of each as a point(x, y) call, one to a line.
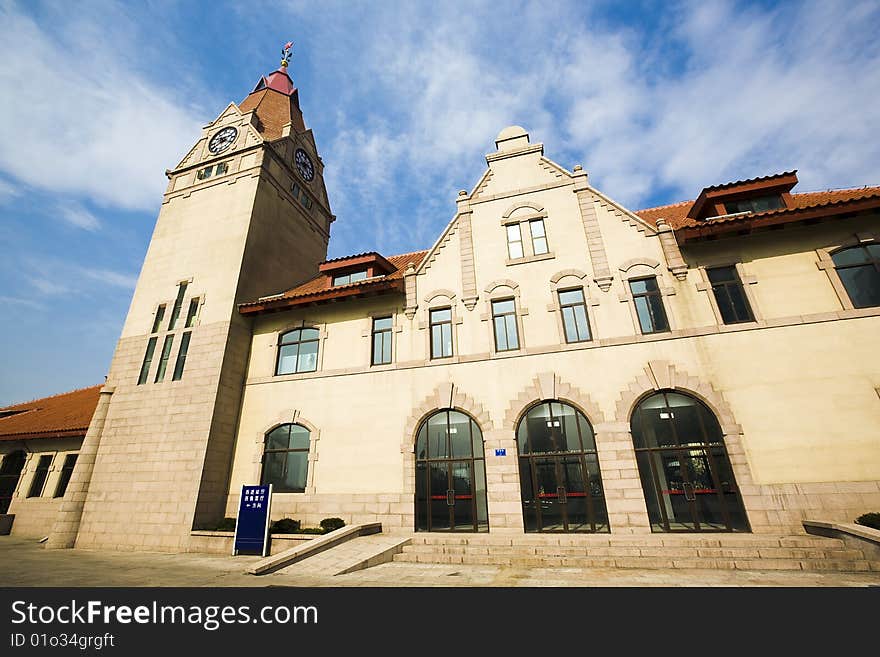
point(757, 204)
point(352, 277)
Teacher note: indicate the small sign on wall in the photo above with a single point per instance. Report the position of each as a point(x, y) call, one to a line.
point(501, 452)
point(252, 525)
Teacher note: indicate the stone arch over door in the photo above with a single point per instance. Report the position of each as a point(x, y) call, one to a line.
point(660, 375)
point(446, 396)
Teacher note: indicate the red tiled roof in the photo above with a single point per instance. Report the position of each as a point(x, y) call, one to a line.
point(750, 181)
point(321, 286)
point(676, 214)
point(67, 414)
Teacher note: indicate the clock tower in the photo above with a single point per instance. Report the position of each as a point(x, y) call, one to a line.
point(245, 214)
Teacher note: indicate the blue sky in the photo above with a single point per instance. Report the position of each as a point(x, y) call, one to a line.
point(655, 99)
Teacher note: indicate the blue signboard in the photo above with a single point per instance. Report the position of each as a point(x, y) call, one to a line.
point(501, 452)
point(252, 527)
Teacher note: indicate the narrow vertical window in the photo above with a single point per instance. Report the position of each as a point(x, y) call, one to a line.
point(163, 362)
point(504, 320)
point(729, 295)
point(191, 313)
point(178, 302)
point(649, 305)
point(539, 238)
point(441, 332)
point(160, 315)
point(66, 473)
point(181, 356)
point(39, 480)
point(514, 241)
point(148, 359)
point(381, 341)
point(575, 321)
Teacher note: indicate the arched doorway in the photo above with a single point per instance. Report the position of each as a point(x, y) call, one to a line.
point(559, 471)
point(10, 472)
point(683, 463)
point(450, 474)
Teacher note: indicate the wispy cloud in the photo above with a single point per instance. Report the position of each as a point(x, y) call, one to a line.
point(48, 276)
point(77, 216)
point(90, 123)
point(8, 191)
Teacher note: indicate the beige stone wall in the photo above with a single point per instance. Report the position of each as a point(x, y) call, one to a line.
point(795, 391)
point(34, 515)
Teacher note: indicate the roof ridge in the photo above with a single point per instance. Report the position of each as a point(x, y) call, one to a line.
point(836, 189)
point(58, 394)
point(660, 207)
point(398, 255)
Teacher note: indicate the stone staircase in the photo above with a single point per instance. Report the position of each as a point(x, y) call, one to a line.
point(652, 551)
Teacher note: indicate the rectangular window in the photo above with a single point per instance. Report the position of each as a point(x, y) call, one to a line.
point(305, 200)
point(353, 277)
point(298, 351)
point(163, 362)
point(191, 313)
point(730, 295)
point(204, 174)
point(160, 315)
point(504, 320)
point(178, 302)
point(539, 238)
point(760, 204)
point(181, 356)
point(294, 190)
point(40, 475)
point(649, 305)
point(441, 332)
point(381, 340)
point(148, 359)
point(66, 472)
point(221, 168)
point(575, 321)
point(514, 241)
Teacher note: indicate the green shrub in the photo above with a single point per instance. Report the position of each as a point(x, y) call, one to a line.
point(869, 520)
point(285, 526)
point(332, 524)
point(226, 525)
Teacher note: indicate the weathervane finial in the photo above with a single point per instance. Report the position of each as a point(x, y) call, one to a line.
point(285, 54)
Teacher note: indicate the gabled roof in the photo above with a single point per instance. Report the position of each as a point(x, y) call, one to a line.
point(804, 205)
point(276, 103)
point(321, 288)
point(64, 415)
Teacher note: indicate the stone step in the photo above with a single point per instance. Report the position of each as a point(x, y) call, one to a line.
point(675, 552)
point(733, 541)
point(638, 562)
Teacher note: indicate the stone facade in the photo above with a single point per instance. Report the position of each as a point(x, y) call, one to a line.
point(794, 391)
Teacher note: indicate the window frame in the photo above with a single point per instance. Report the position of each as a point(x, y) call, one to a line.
point(307, 451)
point(651, 293)
point(872, 261)
point(147, 362)
point(522, 248)
point(446, 322)
point(531, 215)
point(387, 334)
point(509, 317)
point(278, 345)
point(536, 238)
point(164, 357)
point(562, 306)
point(66, 474)
point(37, 472)
point(735, 282)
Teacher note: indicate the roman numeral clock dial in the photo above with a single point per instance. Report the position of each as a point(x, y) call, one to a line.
point(222, 140)
point(304, 165)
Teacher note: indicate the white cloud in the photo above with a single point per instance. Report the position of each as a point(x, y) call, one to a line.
point(49, 276)
point(79, 117)
point(8, 191)
point(76, 215)
point(718, 91)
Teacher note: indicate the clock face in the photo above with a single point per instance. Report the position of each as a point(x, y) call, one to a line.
point(222, 140)
point(304, 165)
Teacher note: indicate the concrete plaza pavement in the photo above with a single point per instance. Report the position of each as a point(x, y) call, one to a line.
point(27, 563)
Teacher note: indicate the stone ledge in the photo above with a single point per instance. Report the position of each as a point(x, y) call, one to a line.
point(824, 528)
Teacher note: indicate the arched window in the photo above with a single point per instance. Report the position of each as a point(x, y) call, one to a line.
point(286, 459)
point(10, 472)
point(450, 474)
point(859, 270)
point(559, 471)
point(298, 351)
point(684, 466)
